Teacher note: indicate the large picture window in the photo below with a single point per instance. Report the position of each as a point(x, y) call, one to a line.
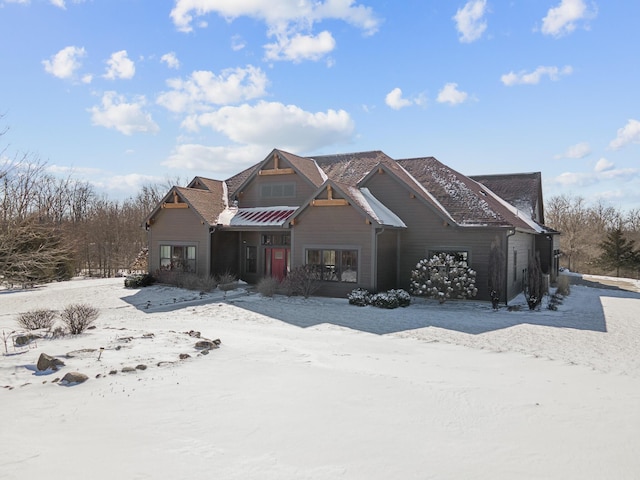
point(334, 265)
point(178, 257)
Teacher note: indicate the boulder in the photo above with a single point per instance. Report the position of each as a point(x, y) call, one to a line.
point(73, 378)
point(208, 344)
point(184, 356)
point(47, 362)
point(26, 339)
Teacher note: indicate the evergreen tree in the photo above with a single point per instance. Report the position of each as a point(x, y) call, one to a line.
point(618, 251)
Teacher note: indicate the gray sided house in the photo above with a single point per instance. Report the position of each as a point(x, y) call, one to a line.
point(361, 219)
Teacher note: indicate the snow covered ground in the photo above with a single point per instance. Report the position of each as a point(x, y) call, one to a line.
point(318, 389)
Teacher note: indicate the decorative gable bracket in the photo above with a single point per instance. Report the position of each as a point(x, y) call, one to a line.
point(276, 170)
point(175, 203)
point(329, 201)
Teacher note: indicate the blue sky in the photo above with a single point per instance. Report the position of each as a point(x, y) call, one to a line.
point(126, 92)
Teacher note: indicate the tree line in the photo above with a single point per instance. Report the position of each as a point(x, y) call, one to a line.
point(53, 228)
point(595, 238)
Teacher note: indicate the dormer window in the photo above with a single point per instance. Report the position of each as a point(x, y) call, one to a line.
point(278, 190)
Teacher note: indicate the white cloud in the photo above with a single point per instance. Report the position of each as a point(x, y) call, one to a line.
point(451, 95)
point(470, 21)
point(126, 117)
point(57, 3)
point(300, 47)
point(533, 78)
point(604, 171)
point(603, 165)
point(289, 21)
point(65, 63)
point(577, 151)
point(204, 89)
point(222, 162)
point(171, 60)
point(271, 123)
point(237, 43)
point(562, 20)
point(630, 133)
point(131, 182)
point(395, 100)
point(120, 66)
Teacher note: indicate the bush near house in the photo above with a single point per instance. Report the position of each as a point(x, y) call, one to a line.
point(267, 286)
point(302, 280)
point(138, 281)
point(443, 277)
point(391, 299)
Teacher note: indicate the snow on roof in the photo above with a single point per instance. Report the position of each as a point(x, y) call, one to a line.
point(375, 207)
point(256, 216)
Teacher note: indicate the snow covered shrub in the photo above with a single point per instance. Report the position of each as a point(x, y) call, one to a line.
point(359, 297)
point(138, 281)
point(385, 300)
point(404, 299)
point(78, 317)
point(267, 286)
point(443, 277)
point(36, 319)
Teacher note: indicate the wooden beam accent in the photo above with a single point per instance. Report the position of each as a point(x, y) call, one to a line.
point(175, 205)
point(277, 171)
point(335, 202)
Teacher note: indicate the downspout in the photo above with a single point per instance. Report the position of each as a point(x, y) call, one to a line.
point(374, 264)
point(398, 250)
point(510, 233)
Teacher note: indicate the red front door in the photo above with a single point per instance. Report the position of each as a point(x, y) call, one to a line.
point(276, 262)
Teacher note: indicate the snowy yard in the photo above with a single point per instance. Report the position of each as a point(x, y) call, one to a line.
point(319, 389)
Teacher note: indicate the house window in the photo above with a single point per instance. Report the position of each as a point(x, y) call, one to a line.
point(458, 255)
point(280, 239)
point(251, 259)
point(334, 265)
point(178, 257)
point(278, 190)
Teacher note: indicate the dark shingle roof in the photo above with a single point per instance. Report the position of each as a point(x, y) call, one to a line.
point(233, 183)
point(350, 168)
point(522, 190)
point(207, 203)
point(456, 197)
point(306, 166)
point(466, 201)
